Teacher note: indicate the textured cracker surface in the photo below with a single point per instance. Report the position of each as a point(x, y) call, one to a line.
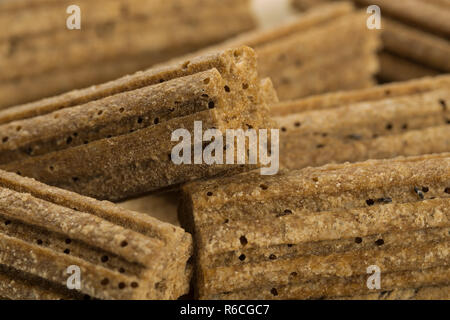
point(422, 22)
point(121, 254)
point(117, 143)
point(399, 119)
point(312, 233)
point(39, 57)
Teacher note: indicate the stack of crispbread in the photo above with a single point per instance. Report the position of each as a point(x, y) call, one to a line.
point(322, 50)
point(114, 141)
point(415, 36)
point(48, 234)
point(40, 57)
point(321, 232)
point(399, 119)
point(360, 206)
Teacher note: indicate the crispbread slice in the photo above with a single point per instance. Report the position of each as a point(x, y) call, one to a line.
point(342, 287)
point(335, 99)
point(428, 50)
point(47, 14)
point(417, 12)
point(40, 58)
point(312, 70)
point(422, 22)
point(221, 60)
point(295, 55)
point(121, 254)
point(328, 74)
point(64, 51)
point(431, 15)
point(299, 228)
point(120, 146)
point(410, 118)
point(115, 115)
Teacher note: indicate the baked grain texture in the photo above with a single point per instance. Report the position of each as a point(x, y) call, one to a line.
point(135, 34)
point(399, 119)
point(431, 16)
point(312, 233)
point(295, 55)
point(114, 141)
point(422, 23)
point(335, 99)
point(121, 254)
point(428, 50)
point(47, 16)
